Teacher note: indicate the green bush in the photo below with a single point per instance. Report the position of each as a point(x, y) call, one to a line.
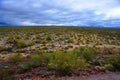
point(48, 38)
point(11, 40)
point(16, 42)
point(20, 44)
point(31, 43)
point(66, 63)
point(7, 74)
point(87, 53)
point(27, 37)
point(114, 60)
point(23, 68)
point(4, 49)
point(16, 37)
point(44, 41)
point(15, 58)
point(35, 60)
point(70, 40)
point(20, 51)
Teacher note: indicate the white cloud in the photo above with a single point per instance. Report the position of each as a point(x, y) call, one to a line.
point(51, 11)
point(113, 13)
point(103, 9)
point(79, 5)
point(28, 23)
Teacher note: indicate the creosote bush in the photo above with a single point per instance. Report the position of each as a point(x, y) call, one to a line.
point(115, 61)
point(16, 42)
point(11, 39)
point(48, 38)
point(44, 41)
point(35, 60)
point(4, 49)
point(62, 63)
point(20, 51)
point(70, 40)
point(7, 74)
point(15, 58)
point(87, 53)
point(66, 63)
point(31, 43)
point(23, 68)
point(21, 44)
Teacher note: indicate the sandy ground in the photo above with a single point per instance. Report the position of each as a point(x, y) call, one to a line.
point(111, 76)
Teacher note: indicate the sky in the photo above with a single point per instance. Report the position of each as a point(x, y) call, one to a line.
point(102, 13)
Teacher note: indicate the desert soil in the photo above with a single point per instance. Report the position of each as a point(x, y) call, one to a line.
point(110, 76)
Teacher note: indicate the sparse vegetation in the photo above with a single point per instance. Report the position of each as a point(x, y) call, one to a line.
point(49, 51)
point(114, 61)
point(66, 63)
point(15, 58)
point(23, 68)
point(87, 53)
point(5, 49)
point(35, 60)
point(7, 74)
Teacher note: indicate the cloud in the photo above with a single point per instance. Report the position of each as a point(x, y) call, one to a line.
point(79, 5)
point(113, 13)
point(28, 23)
point(60, 12)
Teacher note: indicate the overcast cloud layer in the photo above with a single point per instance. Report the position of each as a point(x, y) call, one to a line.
point(104, 13)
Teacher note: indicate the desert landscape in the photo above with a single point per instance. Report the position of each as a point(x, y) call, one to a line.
point(59, 53)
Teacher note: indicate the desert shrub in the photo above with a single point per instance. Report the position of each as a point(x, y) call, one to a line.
point(15, 58)
point(37, 41)
point(70, 40)
point(44, 41)
point(66, 63)
point(48, 38)
point(37, 36)
point(16, 37)
point(108, 50)
point(44, 48)
point(104, 68)
point(4, 49)
point(7, 74)
point(23, 68)
point(16, 42)
point(31, 43)
point(11, 39)
point(86, 53)
point(77, 52)
point(21, 44)
point(20, 51)
point(99, 62)
point(35, 60)
point(58, 33)
point(27, 36)
point(47, 57)
point(114, 60)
